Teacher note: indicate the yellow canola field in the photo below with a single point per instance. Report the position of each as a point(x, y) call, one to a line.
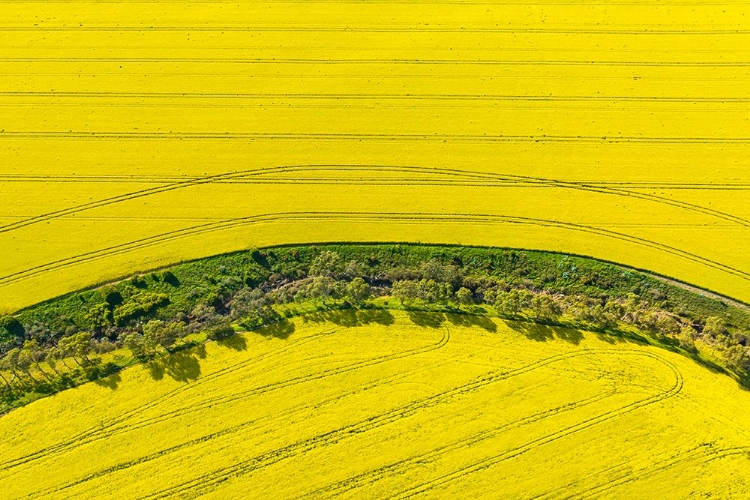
point(440, 406)
point(138, 134)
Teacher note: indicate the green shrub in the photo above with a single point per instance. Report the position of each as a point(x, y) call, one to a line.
point(140, 304)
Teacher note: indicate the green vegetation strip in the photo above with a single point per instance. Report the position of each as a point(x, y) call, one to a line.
point(82, 336)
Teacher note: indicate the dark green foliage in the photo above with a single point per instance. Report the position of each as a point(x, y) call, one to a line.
point(138, 281)
point(169, 278)
point(11, 330)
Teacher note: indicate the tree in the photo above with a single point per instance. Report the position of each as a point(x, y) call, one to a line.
point(429, 291)
point(434, 270)
point(10, 363)
point(157, 333)
point(22, 361)
point(613, 312)
point(2, 367)
point(405, 291)
point(665, 323)
point(53, 356)
point(358, 290)
point(135, 344)
point(205, 314)
point(34, 354)
point(323, 288)
point(464, 296)
point(545, 307)
point(511, 303)
point(246, 301)
point(11, 330)
point(687, 338)
point(260, 316)
point(327, 263)
point(99, 316)
point(738, 357)
point(220, 331)
point(353, 269)
point(80, 346)
point(715, 327)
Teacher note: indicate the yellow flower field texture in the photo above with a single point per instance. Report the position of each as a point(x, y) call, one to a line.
point(135, 135)
point(402, 404)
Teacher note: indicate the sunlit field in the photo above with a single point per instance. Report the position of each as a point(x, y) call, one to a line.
point(135, 135)
point(400, 404)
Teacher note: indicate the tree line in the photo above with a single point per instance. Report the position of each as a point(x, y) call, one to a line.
point(149, 315)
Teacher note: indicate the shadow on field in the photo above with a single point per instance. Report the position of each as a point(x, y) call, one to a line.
point(111, 382)
point(183, 366)
point(281, 330)
point(470, 320)
point(236, 342)
point(352, 317)
point(542, 333)
point(426, 319)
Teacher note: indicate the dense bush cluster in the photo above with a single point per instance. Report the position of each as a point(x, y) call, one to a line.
point(151, 314)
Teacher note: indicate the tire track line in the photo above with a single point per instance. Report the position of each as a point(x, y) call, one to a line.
point(208, 480)
point(549, 438)
point(271, 419)
point(486, 177)
point(95, 431)
point(410, 217)
point(706, 454)
point(370, 477)
point(101, 434)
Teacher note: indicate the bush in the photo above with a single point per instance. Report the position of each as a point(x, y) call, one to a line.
point(11, 330)
point(140, 304)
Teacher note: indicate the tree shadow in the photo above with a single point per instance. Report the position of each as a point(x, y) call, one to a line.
point(426, 318)
point(236, 342)
point(570, 335)
point(617, 336)
point(352, 317)
point(281, 330)
point(470, 320)
point(540, 332)
point(111, 382)
point(182, 366)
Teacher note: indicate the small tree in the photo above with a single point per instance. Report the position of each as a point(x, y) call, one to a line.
point(11, 330)
point(358, 290)
point(511, 303)
point(10, 363)
point(326, 264)
point(23, 362)
point(687, 338)
point(220, 331)
point(34, 354)
point(464, 296)
point(53, 356)
point(135, 343)
point(323, 288)
point(405, 291)
point(545, 307)
point(715, 327)
point(157, 333)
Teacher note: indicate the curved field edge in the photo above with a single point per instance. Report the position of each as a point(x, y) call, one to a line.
point(475, 408)
point(93, 333)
